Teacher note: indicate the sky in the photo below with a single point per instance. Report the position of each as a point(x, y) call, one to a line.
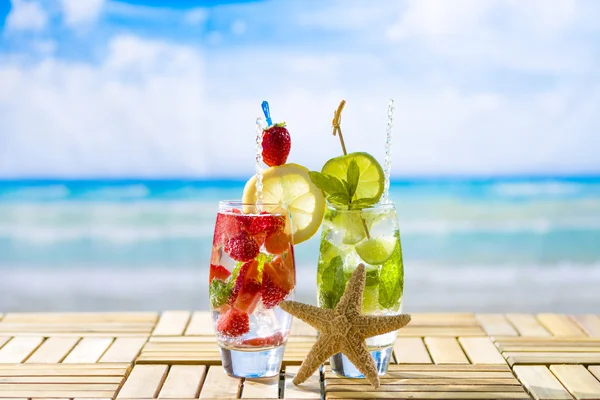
point(157, 88)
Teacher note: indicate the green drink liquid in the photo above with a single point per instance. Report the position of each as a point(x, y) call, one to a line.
point(369, 236)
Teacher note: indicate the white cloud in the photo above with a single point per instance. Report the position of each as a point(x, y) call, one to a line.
point(238, 27)
point(78, 13)
point(26, 15)
point(154, 108)
point(195, 16)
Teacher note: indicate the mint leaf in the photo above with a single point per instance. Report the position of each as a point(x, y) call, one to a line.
point(352, 177)
point(333, 283)
point(391, 279)
point(340, 199)
point(327, 183)
point(219, 292)
point(363, 203)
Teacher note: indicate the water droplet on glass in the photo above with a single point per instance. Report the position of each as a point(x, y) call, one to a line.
point(387, 162)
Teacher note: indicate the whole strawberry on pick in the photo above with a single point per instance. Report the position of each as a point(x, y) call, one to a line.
point(276, 141)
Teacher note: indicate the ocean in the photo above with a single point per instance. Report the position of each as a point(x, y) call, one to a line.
point(483, 245)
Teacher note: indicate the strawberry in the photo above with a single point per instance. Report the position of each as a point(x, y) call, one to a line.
point(277, 242)
point(242, 247)
point(233, 323)
point(218, 272)
point(276, 145)
point(230, 223)
point(277, 282)
point(274, 340)
point(246, 291)
point(267, 224)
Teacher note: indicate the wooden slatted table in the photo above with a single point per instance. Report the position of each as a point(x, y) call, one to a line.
point(174, 355)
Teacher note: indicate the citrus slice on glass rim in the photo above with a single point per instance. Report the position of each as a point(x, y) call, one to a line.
point(290, 184)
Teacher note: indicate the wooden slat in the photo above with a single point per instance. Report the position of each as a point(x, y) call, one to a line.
point(41, 393)
point(540, 383)
point(445, 350)
point(3, 340)
point(451, 319)
point(123, 349)
point(411, 351)
point(428, 395)
point(53, 350)
point(266, 388)
point(560, 325)
point(552, 358)
point(420, 388)
point(200, 324)
point(496, 325)
point(589, 323)
point(310, 389)
point(88, 350)
point(505, 382)
point(60, 379)
point(481, 350)
point(65, 387)
point(414, 331)
point(578, 381)
point(527, 325)
point(595, 370)
point(144, 382)
point(218, 385)
point(183, 382)
point(172, 323)
point(19, 348)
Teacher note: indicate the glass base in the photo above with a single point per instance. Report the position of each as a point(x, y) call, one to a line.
point(252, 364)
point(341, 366)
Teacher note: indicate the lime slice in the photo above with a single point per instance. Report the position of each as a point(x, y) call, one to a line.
point(291, 185)
point(376, 251)
point(351, 224)
point(370, 181)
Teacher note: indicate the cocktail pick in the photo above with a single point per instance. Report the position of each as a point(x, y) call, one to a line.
point(344, 329)
point(387, 162)
point(337, 120)
point(267, 112)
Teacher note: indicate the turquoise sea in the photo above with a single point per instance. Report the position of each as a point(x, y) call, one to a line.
point(469, 244)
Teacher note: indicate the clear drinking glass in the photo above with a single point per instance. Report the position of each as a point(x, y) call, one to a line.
point(369, 236)
point(252, 270)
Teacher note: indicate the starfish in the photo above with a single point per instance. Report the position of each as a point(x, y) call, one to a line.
point(344, 329)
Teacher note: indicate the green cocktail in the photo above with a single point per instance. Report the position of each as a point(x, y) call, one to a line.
point(360, 227)
point(369, 236)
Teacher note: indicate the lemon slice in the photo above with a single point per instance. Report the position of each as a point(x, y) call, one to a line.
point(376, 251)
point(291, 185)
point(370, 181)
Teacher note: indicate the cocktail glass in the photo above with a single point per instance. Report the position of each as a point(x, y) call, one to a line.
point(369, 236)
point(252, 270)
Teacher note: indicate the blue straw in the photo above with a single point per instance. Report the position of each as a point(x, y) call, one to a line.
point(265, 108)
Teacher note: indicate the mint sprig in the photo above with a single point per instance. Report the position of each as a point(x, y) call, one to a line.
point(341, 192)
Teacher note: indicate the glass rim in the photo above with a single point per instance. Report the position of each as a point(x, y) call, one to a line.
point(378, 206)
point(240, 203)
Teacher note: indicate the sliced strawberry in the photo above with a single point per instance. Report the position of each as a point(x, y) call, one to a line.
point(277, 282)
point(233, 323)
point(230, 223)
point(273, 340)
point(246, 291)
point(242, 247)
point(277, 243)
point(267, 224)
point(218, 272)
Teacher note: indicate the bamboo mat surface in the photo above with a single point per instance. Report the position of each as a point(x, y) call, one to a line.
point(174, 355)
